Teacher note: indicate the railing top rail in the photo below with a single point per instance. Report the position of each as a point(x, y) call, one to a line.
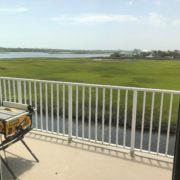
point(95, 85)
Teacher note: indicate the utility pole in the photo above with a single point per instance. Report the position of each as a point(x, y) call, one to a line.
point(176, 166)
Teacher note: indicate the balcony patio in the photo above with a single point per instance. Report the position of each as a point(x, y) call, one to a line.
point(79, 160)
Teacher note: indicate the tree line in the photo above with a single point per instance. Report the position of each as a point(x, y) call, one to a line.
point(154, 54)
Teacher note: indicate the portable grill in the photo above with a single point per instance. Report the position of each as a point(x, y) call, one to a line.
point(15, 118)
point(15, 122)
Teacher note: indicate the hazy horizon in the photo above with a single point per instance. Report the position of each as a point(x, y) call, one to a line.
point(91, 49)
point(90, 24)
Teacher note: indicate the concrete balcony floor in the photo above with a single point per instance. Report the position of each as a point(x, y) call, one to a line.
point(78, 161)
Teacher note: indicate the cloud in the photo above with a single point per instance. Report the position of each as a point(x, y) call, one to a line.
point(158, 2)
point(130, 3)
point(93, 19)
point(14, 10)
point(157, 19)
point(176, 22)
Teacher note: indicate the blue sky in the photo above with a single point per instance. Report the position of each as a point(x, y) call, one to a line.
point(90, 24)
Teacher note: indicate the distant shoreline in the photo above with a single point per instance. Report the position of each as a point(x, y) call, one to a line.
point(54, 51)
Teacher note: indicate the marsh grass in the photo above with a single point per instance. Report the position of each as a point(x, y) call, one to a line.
point(139, 73)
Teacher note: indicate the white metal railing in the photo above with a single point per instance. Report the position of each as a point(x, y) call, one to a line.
point(137, 119)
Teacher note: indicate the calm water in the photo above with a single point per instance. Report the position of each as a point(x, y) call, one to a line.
point(41, 54)
point(113, 134)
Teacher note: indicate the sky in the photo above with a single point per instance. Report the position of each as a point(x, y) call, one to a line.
point(90, 24)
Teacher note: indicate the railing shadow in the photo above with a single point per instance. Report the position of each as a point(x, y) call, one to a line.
point(103, 150)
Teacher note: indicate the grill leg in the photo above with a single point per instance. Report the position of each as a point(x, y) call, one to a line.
point(30, 150)
point(8, 168)
point(5, 156)
point(1, 178)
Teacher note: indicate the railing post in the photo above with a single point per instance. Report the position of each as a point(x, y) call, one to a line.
point(19, 90)
point(133, 125)
point(69, 113)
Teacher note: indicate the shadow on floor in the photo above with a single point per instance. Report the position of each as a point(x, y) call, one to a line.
point(103, 150)
point(17, 164)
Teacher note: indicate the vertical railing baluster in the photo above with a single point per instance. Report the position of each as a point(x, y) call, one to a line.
point(133, 124)
point(103, 112)
point(143, 118)
point(30, 93)
point(117, 118)
point(9, 90)
point(35, 96)
point(5, 93)
point(125, 118)
point(83, 113)
point(19, 91)
point(57, 89)
point(151, 121)
point(96, 114)
point(110, 116)
point(63, 108)
point(41, 104)
point(14, 90)
point(46, 96)
point(25, 96)
point(52, 109)
point(89, 121)
point(77, 95)
point(69, 113)
point(160, 121)
point(169, 124)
